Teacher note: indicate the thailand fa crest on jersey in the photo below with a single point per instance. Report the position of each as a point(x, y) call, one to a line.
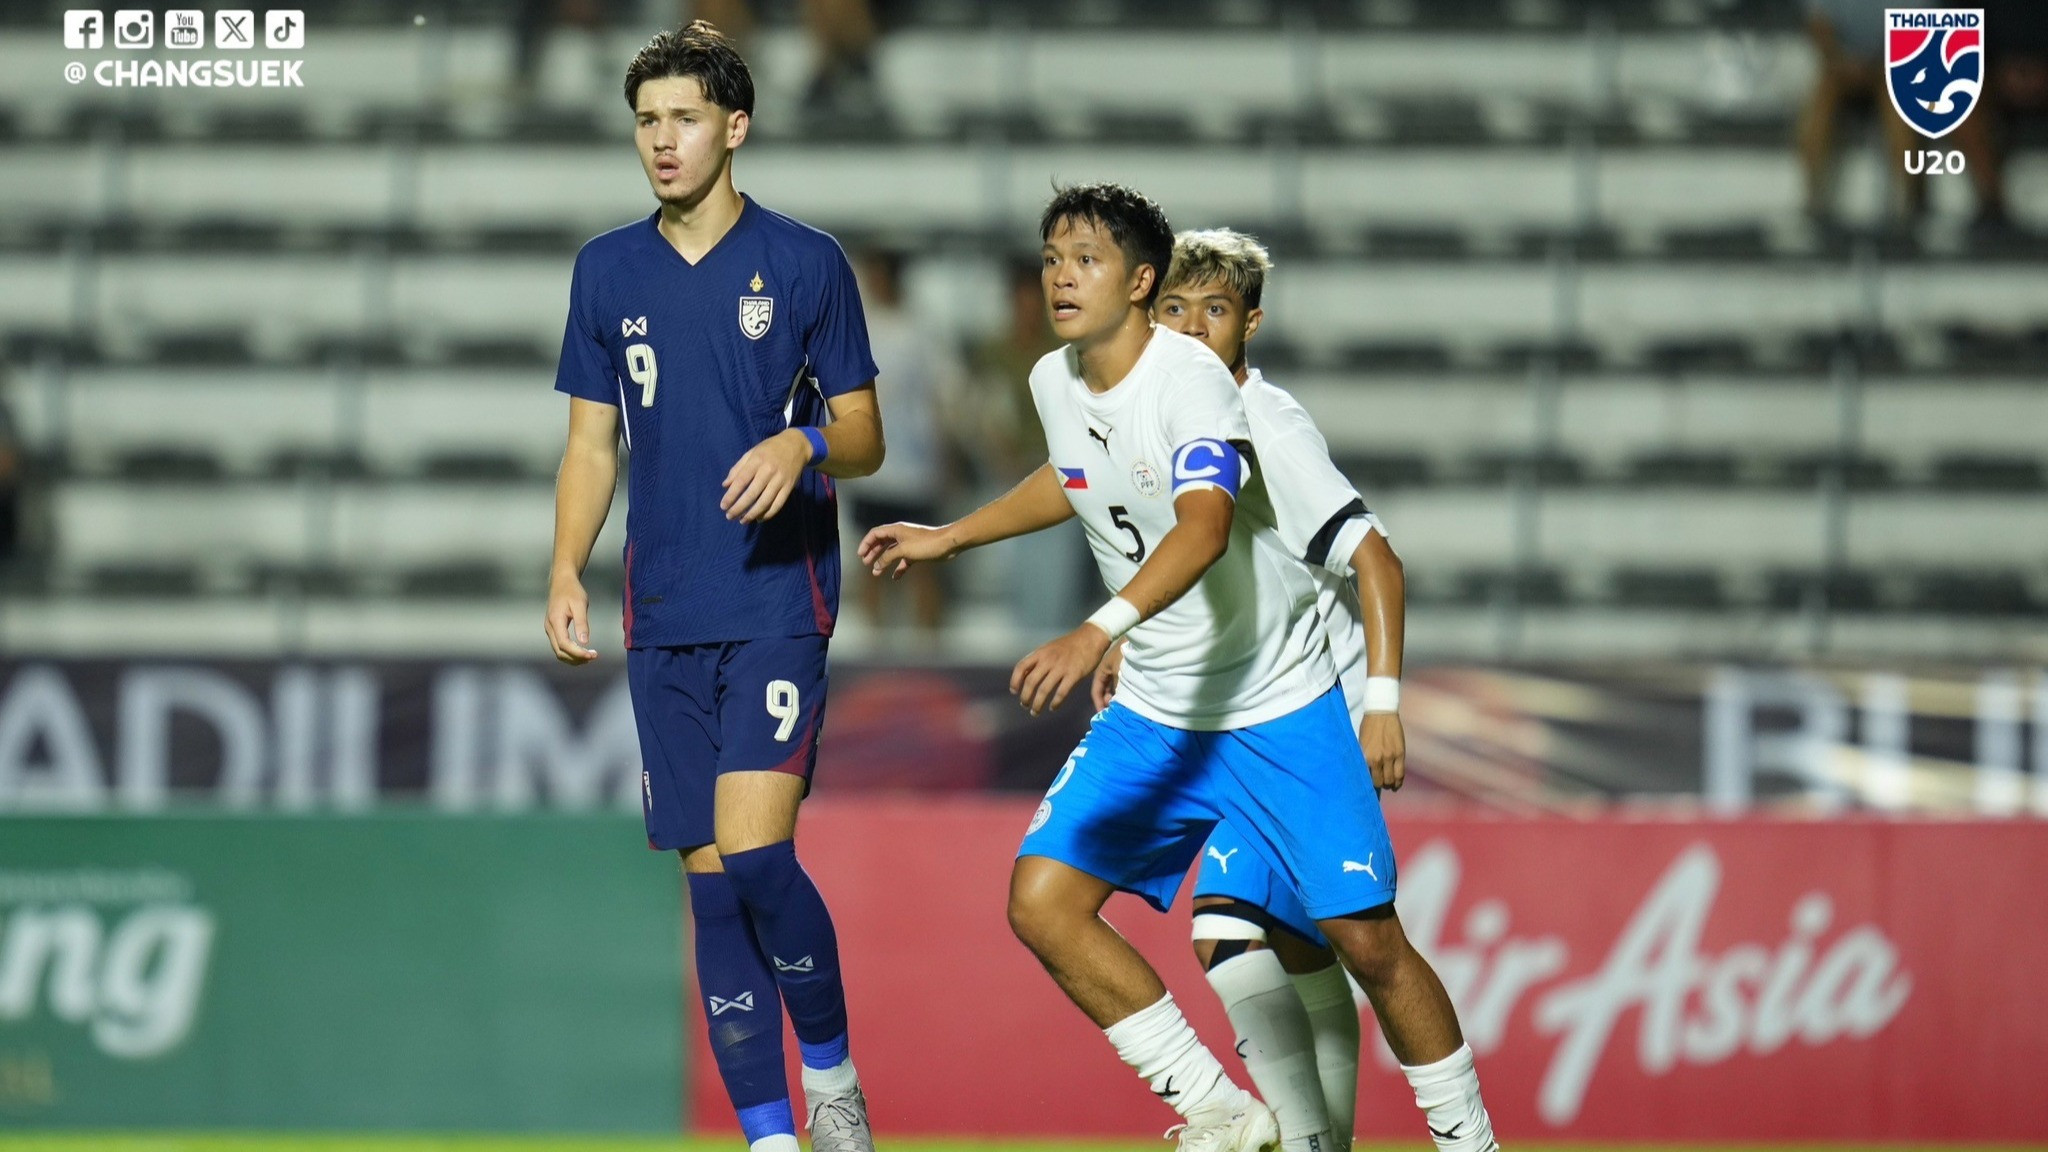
point(1934, 66)
point(756, 312)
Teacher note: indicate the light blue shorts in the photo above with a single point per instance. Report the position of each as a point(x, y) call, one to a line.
point(1230, 869)
point(1138, 800)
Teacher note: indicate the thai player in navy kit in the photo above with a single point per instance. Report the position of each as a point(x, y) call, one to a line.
point(726, 345)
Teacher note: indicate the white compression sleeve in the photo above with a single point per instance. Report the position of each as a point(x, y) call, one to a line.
point(1334, 1017)
point(1277, 1044)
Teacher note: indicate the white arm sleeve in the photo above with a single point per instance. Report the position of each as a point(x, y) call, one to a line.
point(1348, 538)
point(1320, 516)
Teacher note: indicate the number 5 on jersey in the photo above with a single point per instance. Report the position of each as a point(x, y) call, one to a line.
point(641, 367)
point(1117, 514)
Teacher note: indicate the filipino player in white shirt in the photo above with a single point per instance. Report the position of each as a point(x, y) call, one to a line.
point(1227, 706)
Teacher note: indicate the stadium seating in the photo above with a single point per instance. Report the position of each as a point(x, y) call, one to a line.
point(1545, 279)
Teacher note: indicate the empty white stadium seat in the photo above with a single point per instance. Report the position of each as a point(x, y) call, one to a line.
point(451, 298)
point(392, 526)
point(68, 181)
point(1729, 531)
point(1916, 422)
point(1440, 531)
point(277, 300)
point(326, 186)
point(207, 525)
point(1437, 418)
point(1611, 421)
point(411, 416)
point(241, 418)
point(37, 291)
point(1965, 531)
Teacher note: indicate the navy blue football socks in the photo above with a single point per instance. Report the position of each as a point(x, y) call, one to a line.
point(741, 1006)
point(796, 931)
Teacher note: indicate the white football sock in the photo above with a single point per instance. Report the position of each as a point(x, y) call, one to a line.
point(831, 1083)
point(1448, 1094)
point(1334, 1018)
point(780, 1142)
point(1277, 1044)
point(1160, 1044)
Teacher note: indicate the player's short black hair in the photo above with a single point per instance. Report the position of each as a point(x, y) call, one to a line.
point(702, 53)
point(1138, 226)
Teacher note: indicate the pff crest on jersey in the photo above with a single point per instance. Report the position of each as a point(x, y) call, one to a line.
point(1145, 479)
point(1934, 66)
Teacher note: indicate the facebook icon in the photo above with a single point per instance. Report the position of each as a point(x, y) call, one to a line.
point(84, 29)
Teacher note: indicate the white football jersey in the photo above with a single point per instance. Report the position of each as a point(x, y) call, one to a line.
point(1319, 517)
point(1245, 644)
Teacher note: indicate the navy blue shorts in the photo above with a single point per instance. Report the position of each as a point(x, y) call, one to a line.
point(707, 709)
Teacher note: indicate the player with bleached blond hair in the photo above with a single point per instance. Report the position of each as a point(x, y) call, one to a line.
point(1279, 981)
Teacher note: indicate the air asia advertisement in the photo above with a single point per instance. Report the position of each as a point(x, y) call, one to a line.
point(1618, 978)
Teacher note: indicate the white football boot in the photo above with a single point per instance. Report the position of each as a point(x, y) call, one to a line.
point(1247, 1125)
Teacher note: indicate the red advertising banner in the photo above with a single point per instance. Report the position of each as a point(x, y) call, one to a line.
point(1619, 978)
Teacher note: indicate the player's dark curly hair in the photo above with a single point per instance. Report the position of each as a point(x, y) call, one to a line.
point(1137, 225)
point(702, 53)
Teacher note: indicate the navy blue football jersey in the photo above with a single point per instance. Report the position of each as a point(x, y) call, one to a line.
point(704, 361)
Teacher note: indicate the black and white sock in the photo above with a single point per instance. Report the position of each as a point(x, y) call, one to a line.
point(1160, 1044)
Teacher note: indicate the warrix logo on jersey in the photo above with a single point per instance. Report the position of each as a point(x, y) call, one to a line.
point(1934, 66)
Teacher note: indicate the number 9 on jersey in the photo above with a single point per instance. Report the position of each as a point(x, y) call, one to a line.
point(641, 367)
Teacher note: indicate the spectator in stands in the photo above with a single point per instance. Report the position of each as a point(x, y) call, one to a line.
point(1048, 574)
point(530, 24)
point(2016, 87)
point(921, 381)
point(735, 18)
point(1006, 422)
point(843, 70)
point(1848, 38)
point(842, 35)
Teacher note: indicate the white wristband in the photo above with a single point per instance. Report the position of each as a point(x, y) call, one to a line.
point(1116, 618)
point(1382, 694)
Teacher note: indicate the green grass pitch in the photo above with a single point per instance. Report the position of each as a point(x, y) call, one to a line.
point(240, 1142)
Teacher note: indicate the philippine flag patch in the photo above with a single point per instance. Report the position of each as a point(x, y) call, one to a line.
point(1073, 477)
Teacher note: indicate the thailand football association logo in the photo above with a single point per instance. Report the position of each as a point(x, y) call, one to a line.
point(1934, 66)
point(756, 312)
